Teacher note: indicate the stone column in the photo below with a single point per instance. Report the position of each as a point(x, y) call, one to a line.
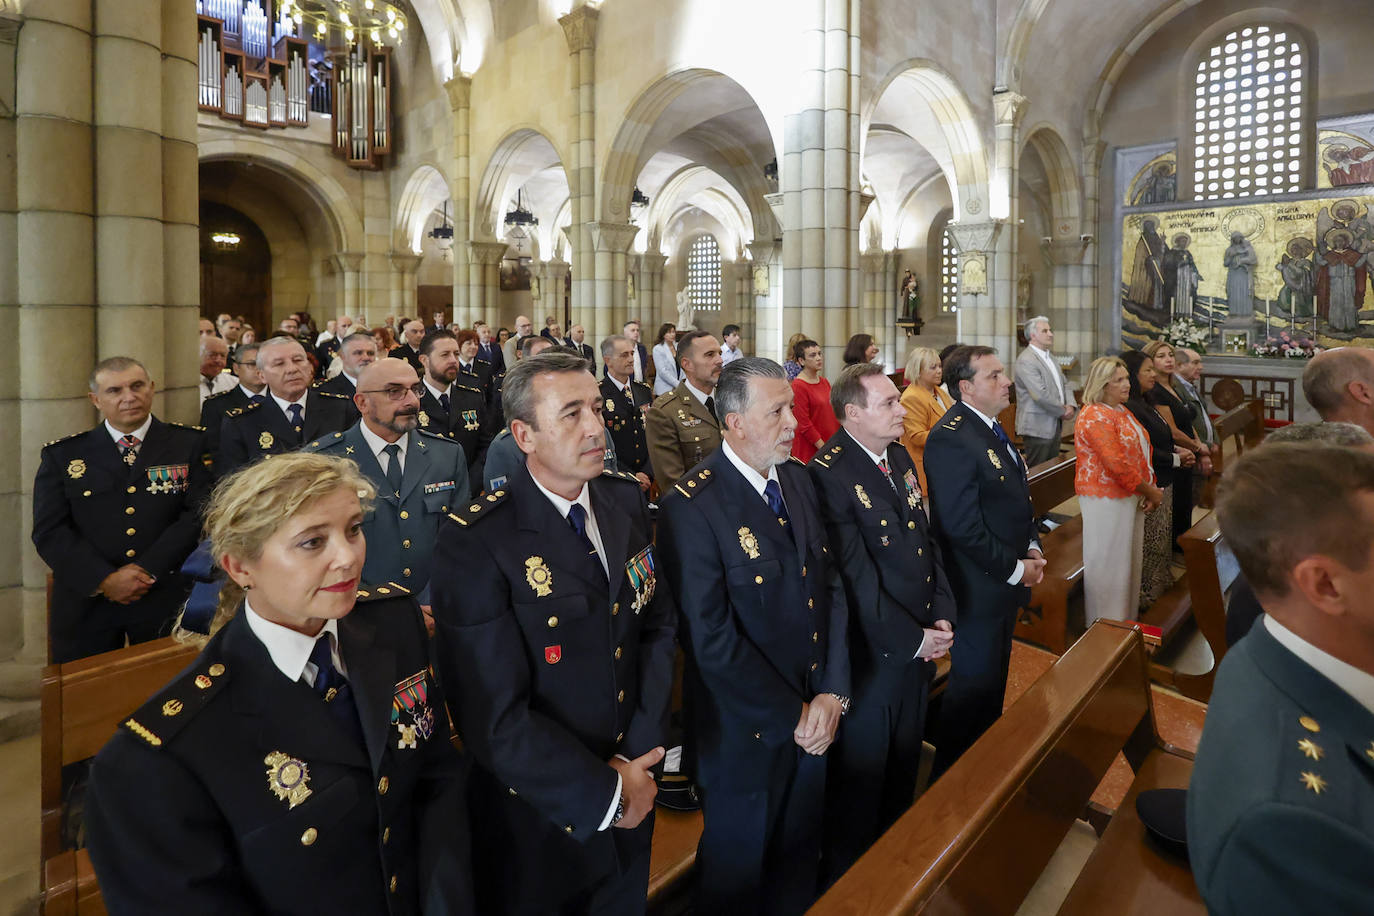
point(1104, 332)
point(820, 181)
point(460, 102)
point(346, 265)
point(180, 208)
point(876, 314)
point(977, 313)
point(485, 299)
point(12, 617)
point(1009, 109)
point(579, 28)
point(613, 241)
point(404, 295)
point(551, 291)
point(1072, 309)
point(650, 304)
point(763, 334)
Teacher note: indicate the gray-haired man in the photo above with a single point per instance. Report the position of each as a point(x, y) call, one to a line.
point(1044, 399)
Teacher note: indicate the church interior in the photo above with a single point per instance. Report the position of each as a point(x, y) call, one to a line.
point(786, 163)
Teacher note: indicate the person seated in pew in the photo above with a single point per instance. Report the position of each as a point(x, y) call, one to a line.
point(903, 611)
point(1339, 384)
point(302, 763)
point(1281, 802)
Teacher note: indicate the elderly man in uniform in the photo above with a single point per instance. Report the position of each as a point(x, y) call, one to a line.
point(557, 647)
point(1281, 802)
point(623, 409)
point(115, 514)
point(251, 389)
point(418, 475)
point(981, 509)
point(764, 628)
point(1044, 400)
point(356, 353)
point(901, 610)
point(682, 425)
point(454, 406)
point(292, 415)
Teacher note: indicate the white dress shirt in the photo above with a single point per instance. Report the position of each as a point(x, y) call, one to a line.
point(290, 649)
point(697, 393)
point(285, 404)
point(437, 392)
point(140, 434)
point(1048, 360)
point(1359, 684)
point(1020, 567)
point(756, 480)
point(378, 445)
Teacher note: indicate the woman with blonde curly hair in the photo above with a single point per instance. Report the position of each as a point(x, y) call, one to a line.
point(302, 762)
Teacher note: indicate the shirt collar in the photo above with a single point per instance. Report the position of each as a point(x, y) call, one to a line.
point(348, 378)
point(756, 480)
point(699, 395)
point(377, 443)
point(247, 392)
point(1359, 684)
point(436, 391)
point(141, 433)
point(982, 416)
point(290, 650)
point(561, 504)
point(285, 404)
point(876, 458)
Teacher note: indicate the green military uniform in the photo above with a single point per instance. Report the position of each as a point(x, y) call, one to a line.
point(682, 434)
point(1281, 803)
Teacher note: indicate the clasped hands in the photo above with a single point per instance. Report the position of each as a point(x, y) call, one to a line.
point(1032, 567)
point(127, 584)
point(815, 729)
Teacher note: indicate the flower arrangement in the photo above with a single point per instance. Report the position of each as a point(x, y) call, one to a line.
point(1183, 333)
point(1286, 346)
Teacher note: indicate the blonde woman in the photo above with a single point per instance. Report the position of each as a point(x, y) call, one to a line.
point(1115, 486)
point(925, 402)
point(302, 763)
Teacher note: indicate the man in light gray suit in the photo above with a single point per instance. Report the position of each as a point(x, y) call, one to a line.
point(1044, 400)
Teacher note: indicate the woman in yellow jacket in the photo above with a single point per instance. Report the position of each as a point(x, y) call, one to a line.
point(925, 402)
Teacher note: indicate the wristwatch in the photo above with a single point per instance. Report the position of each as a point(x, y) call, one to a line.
point(844, 703)
point(619, 810)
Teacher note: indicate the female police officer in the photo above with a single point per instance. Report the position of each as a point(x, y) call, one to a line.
point(302, 763)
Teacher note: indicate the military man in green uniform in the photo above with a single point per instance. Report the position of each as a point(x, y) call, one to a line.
point(1281, 803)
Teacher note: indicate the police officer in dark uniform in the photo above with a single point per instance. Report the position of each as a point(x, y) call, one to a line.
point(302, 763)
point(901, 610)
point(623, 406)
point(555, 638)
point(453, 407)
point(251, 389)
point(764, 629)
point(292, 415)
point(357, 351)
point(116, 510)
point(981, 510)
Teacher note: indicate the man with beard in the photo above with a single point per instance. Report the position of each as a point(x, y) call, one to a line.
point(418, 475)
point(682, 426)
point(452, 407)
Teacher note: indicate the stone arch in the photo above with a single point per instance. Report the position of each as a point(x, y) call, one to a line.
point(1065, 190)
point(425, 190)
point(920, 92)
point(521, 154)
point(730, 211)
point(1018, 43)
point(343, 227)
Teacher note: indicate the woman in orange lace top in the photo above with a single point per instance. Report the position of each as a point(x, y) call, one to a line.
point(1114, 482)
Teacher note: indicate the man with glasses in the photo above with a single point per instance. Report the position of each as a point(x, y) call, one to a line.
point(419, 476)
point(292, 415)
point(249, 390)
point(452, 407)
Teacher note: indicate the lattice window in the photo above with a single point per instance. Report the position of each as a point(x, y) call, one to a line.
point(949, 273)
point(1248, 114)
point(703, 274)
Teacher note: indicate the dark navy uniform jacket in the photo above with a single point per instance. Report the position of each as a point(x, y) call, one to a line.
point(234, 789)
point(212, 416)
point(552, 672)
point(468, 421)
point(92, 514)
point(625, 421)
point(259, 430)
point(763, 616)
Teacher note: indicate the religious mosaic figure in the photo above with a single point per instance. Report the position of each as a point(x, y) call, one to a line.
point(1299, 280)
point(1181, 277)
point(1147, 274)
point(1160, 188)
point(1340, 279)
point(1240, 262)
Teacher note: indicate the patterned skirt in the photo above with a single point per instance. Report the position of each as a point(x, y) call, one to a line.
point(1155, 574)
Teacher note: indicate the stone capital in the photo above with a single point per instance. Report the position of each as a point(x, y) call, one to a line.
point(406, 262)
point(488, 252)
point(762, 252)
point(344, 262)
point(775, 203)
point(555, 269)
point(1066, 251)
point(459, 92)
point(579, 27)
point(970, 237)
point(653, 261)
point(874, 262)
point(617, 237)
point(1009, 107)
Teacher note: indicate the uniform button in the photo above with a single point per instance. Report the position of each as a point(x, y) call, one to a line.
point(620, 697)
point(308, 838)
point(553, 621)
point(405, 514)
point(758, 580)
point(811, 603)
point(620, 737)
point(815, 665)
point(511, 791)
point(568, 828)
point(406, 571)
point(130, 553)
point(927, 578)
point(618, 653)
point(615, 609)
point(758, 736)
point(927, 605)
point(919, 552)
point(406, 543)
point(128, 510)
point(383, 785)
point(883, 522)
point(803, 570)
point(913, 525)
point(131, 531)
point(393, 884)
point(86, 493)
point(129, 490)
point(386, 836)
point(816, 637)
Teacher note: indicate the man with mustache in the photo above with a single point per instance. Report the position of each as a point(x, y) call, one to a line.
point(454, 407)
point(419, 476)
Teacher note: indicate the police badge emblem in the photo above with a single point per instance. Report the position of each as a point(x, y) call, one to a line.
point(265, 440)
point(76, 469)
point(996, 462)
point(538, 577)
point(749, 543)
point(288, 778)
point(424, 419)
point(863, 496)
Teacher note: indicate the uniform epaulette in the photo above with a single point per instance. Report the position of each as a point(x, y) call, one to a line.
point(429, 435)
point(502, 434)
point(381, 592)
point(621, 475)
point(824, 458)
point(199, 429)
point(478, 507)
point(692, 484)
point(247, 408)
point(796, 459)
point(467, 387)
point(162, 717)
point(954, 422)
point(64, 438)
point(665, 398)
point(322, 442)
point(330, 394)
point(220, 394)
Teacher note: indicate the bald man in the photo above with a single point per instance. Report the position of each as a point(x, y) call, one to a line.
point(1339, 384)
point(509, 350)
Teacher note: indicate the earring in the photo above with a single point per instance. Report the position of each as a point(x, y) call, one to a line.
point(248, 586)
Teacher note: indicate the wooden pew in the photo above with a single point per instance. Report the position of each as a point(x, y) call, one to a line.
point(1244, 426)
point(1045, 618)
point(977, 841)
point(1207, 605)
point(83, 703)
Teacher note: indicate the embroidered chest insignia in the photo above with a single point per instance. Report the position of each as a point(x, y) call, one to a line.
point(265, 440)
point(470, 420)
point(288, 778)
point(538, 577)
point(996, 462)
point(863, 496)
point(411, 711)
point(749, 543)
point(76, 469)
point(609, 405)
point(424, 419)
point(640, 571)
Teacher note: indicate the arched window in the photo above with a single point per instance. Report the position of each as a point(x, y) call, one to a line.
point(703, 274)
point(949, 273)
point(1248, 114)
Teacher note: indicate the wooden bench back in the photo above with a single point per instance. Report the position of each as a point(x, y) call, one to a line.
point(1243, 423)
point(1051, 483)
point(83, 703)
point(979, 839)
point(1208, 592)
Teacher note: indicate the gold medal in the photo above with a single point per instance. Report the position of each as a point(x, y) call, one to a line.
point(77, 469)
point(863, 497)
point(749, 543)
point(996, 462)
point(265, 440)
point(407, 736)
point(288, 778)
point(538, 576)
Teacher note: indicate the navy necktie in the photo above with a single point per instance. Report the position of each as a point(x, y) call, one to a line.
point(773, 493)
point(258, 399)
point(335, 690)
point(393, 468)
point(577, 518)
point(444, 401)
point(1001, 435)
point(295, 411)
